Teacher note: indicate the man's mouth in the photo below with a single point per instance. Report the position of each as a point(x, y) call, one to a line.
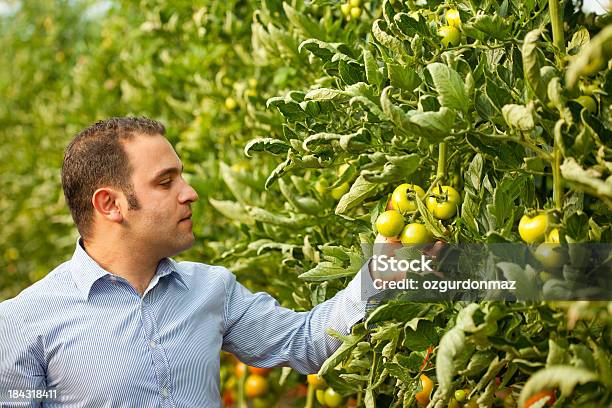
point(187, 218)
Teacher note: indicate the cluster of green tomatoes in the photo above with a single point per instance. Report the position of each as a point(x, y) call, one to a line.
point(442, 202)
point(450, 32)
point(351, 9)
point(538, 228)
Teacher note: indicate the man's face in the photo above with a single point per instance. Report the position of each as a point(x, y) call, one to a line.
point(163, 220)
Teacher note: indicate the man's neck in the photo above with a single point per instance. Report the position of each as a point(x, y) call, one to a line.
point(129, 262)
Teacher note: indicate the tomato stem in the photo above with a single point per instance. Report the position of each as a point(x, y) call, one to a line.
point(310, 396)
point(556, 20)
point(441, 162)
point(556, 167)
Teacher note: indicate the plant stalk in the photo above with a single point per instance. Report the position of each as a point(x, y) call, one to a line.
point(556, 165)
point(556, 20)
point(310, 396)
point(441, 173)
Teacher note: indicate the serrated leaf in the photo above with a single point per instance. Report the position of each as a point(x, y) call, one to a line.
point(525, 279)
point(385, 39)
point(360, 190)
point(326, 94)
point(592, 58)
point(403, 77)
point(493, 25)
point(449, 85)
point(436, 124)
point(518, 117)
point(325, 271)
point(373, 74)
point(267, 144)
point(232, 210)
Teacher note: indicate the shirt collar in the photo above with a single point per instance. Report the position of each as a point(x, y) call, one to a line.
point(85, 271)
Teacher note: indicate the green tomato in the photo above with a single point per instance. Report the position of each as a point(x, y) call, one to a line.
point(356, 12)
point(553, 236)
point(320, 394)
point(588, 103)
point(341, 190)
point(443, 202)
point(332, 398)
point(321, 186)
point(390, 223)
point(450, 35)
point(346, 9)
point(453, 403)
point(533, 229)
point(355, 3)
point(550, 255)
point(403, 197)
point(230, 103)
point(452, 17)
point(460, 395)
point(416, 233)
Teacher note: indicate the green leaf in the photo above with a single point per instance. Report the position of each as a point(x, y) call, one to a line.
point(389, 41)
point(493, 25)
point(592, 58)
point(325, 271)
point(324, 51)
point(351, 72)
point(425, 336)
point(518, 117)
point(525, 278)
point(326, 94)
point(403, 77)
point(396, 310)
point(373, 74)
point(231, 210)
point(531, 65)
point(451, 346)
point(267, 144)
point(589, 180)
point(449, 85)
point(360, 190)
point(563, 377)
point(345, 349)
point(409, 26)
point(307, 27)
point(438, 124)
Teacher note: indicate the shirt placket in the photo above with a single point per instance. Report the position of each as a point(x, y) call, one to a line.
point(158, 354)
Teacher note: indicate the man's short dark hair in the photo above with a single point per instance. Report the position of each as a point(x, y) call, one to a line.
point(95, 158)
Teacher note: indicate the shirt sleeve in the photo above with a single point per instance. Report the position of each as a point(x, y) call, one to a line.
point(20, 362)
point(262, 333)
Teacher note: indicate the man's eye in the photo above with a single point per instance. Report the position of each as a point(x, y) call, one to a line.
point(165, 183)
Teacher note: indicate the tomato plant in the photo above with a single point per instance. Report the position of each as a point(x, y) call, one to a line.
point(533, 229)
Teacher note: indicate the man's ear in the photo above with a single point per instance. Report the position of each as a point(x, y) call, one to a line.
point(106, 202)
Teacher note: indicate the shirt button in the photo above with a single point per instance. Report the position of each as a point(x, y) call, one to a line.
point(152, 344)
point(164, 392)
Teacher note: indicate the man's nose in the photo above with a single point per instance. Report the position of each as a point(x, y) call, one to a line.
point(188, 194)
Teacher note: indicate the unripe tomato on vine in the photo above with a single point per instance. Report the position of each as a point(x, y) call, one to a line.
point(443, 202)
point(452, 17)
point(390, 223)
point(404, 196)
point(533, 229)
point(450, 35)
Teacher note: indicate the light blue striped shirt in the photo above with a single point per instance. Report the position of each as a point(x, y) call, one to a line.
point(90, 337)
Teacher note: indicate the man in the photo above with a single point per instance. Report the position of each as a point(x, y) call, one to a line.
point(121, 324)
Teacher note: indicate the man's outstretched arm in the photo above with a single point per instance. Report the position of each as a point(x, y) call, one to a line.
point(262, 333)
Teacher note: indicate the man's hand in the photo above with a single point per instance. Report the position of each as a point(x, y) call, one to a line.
point(385, 246)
